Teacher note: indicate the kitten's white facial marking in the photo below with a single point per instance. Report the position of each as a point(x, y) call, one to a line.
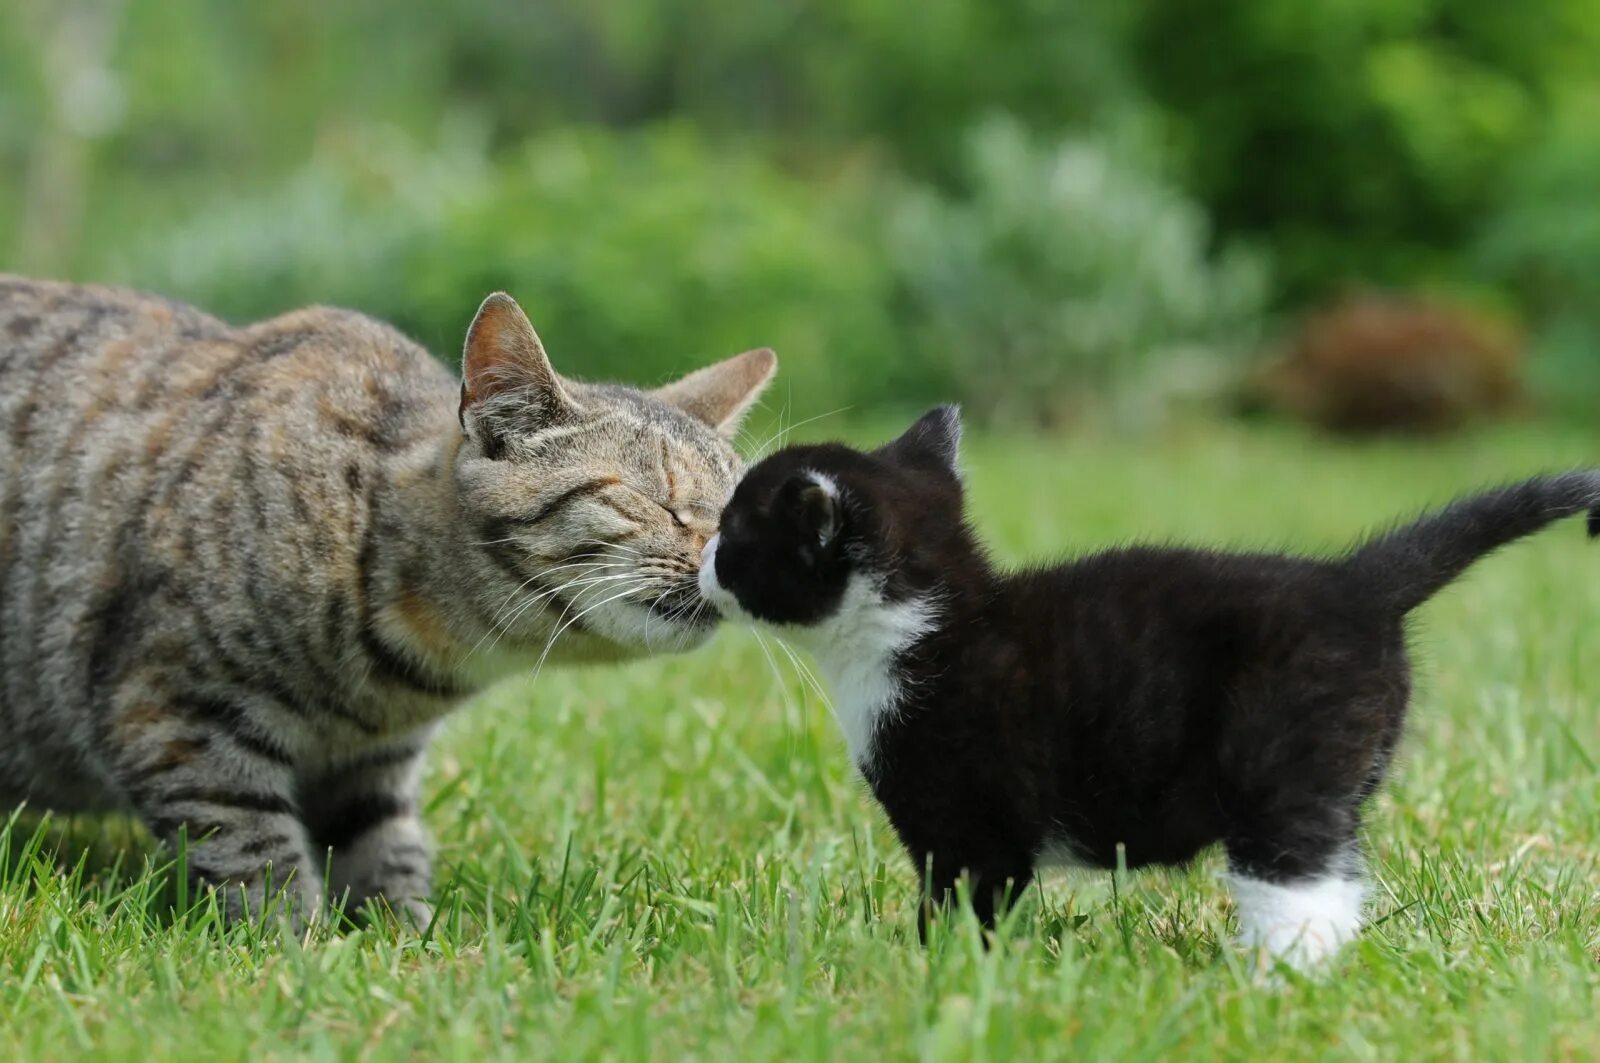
point(830, 489)
point(856, 649)
point(1302, 924)
point(711, 590)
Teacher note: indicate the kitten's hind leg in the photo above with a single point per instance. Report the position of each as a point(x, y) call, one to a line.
point(190, 766)
point(365, 811)
point(1300, 906)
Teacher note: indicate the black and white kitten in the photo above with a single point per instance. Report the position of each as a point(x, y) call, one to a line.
point(1155, 699)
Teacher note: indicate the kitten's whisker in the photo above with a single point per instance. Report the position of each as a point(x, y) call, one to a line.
point(772, 662)
point(805, 671)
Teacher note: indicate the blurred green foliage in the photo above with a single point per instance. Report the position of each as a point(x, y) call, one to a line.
point(1362, 139)
point(638, 253)
point(1544, 245)
point(1066, 266)
point(1017, 203)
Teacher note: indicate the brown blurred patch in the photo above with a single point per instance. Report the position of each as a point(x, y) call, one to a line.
point(1371, 362)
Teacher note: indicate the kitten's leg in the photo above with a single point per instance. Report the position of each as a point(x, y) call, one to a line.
point(231, 793)
point(365, 811)
point(1300, 905)
point(994, 883)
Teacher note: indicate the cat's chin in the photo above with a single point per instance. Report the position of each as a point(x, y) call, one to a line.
point(632, 632)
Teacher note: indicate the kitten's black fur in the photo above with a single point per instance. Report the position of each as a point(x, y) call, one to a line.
point(1158, 699)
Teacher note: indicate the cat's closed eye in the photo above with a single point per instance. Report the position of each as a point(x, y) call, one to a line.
point(679, 516)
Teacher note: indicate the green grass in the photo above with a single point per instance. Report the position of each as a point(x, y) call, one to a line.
point(672, 860)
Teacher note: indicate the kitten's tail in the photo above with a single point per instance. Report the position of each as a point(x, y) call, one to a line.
point(1407, 566)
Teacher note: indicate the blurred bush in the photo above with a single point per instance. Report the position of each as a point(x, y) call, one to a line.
point(1068, 270)
point(1543, 245)
point(1061, 273)
point(1363, 141)
point(637, 256)
point(665, 181)
point(1373, 362)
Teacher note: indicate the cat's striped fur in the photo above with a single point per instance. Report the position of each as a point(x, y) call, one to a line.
point(244, 571)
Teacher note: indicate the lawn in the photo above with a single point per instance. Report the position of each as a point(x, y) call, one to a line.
point(673, 860)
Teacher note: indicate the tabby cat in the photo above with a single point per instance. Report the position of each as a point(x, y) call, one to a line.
point(1137, 704)
point(245, 571)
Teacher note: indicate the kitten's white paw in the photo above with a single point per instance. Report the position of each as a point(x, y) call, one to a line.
point(1301, 923)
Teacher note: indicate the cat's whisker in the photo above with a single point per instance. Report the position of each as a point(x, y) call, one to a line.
point(543, 601)
point(785, 433)
point(593, 558)
point(690, 619)
point(651, 612)
point(503, 626)
point(589, 565)
point(508, 598)
point(743, 437)
point(669, 617)
point(603, 545)
point(583, 583)
point(500, 609)
point(539, 666)
point(547, 592)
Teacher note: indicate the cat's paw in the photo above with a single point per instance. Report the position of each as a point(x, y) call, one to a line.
point(296, 905)
point(405, 915)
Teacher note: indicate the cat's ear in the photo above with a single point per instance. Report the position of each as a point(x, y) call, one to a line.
point(817, 509)
point(935, 439)
point(721, 394)
point(506, 378)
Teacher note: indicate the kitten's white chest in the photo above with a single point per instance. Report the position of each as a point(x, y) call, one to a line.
point(856, 650)
point(864, 691)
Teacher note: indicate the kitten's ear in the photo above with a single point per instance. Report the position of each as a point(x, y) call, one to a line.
point(505, 374)
point(934, 439)
point(721, 394)
point(819, 511)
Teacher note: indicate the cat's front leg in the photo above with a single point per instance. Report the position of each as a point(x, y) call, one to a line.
point(197, 772)
point(365, 811)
